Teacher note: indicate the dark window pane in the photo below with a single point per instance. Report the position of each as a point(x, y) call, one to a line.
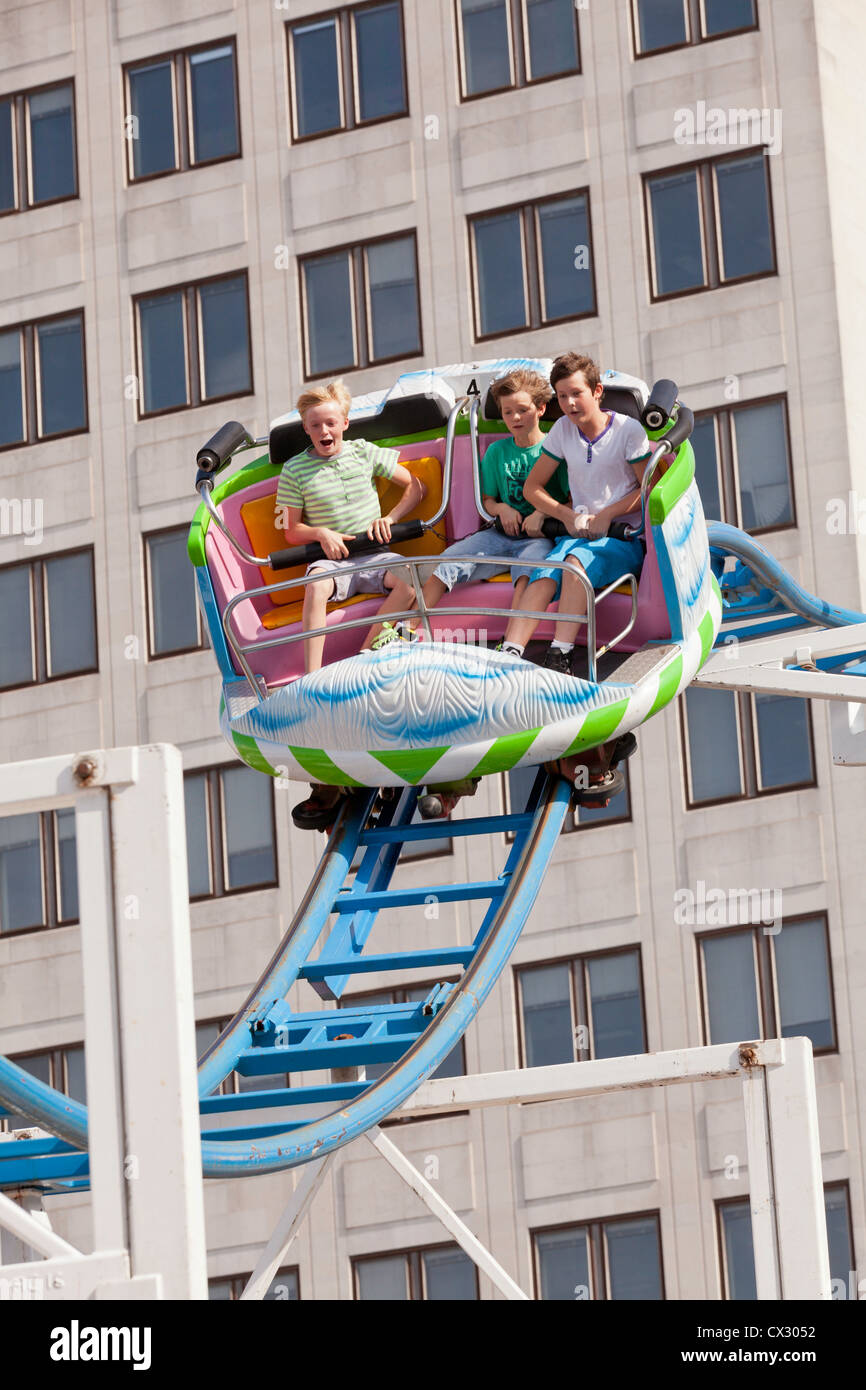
point(552, 37)
point(75, 1081)
point(220, 1290)
point(69, 615)
point(784, 745)
point(275, 1082)
point(61, 376)
point(197, 835)
point(722, 16)
point(421, 848)
point(616, 1005)
point(545, 995)
point(520, 783)
point(563, 1264)
point(11, 389)
point(563, 234)
point(676, 232)
point(379, 61)
point(711, 721)
point(317, 77)
point(172, 594)
point(212, 97)
point(744, 217)
point(328, 293)
point(661, 24)
point(803, 982)
point(163, 351)
point(839, 1236)
point(16, 627)
point(499, 268)
point(38, 1065)
point(21, 896)
point(634, 1260)
point(52, 145)
point(486, 56)
point(705, 445)
point(67, 866)
point(248, 823)
point(732, 998)
point(8, 194)
point(449, 1276)
point(151, 101)
point(383, 1279)
point(205, 1033)
point(395, 330)
point(763, 472)
point(284, 1287)
point(739, 1252)
point(225, 338)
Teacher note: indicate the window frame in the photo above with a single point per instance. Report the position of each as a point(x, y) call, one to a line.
point(580, 997)
point(347, 72)
point(49, 875)
point(412, 1254)
point(599, 1272)
point(695, 15)
point(30, 385)
point(152, 653)
point(362, 333)
point(533, 266)
point(709, 217)
point(182, 112)
point(22, 148)
point(766, 982)
point(193, 339)
point(840, 1185)
point(727, 470)
point(217, 837)
point(240, 1281)
point(39, 626)
point(57, 1070)
point(749, 756)
point(519, 61)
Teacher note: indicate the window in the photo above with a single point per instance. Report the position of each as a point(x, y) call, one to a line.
point(37, 148)
point(361, 305)
point(532, 265)
point(62, 1068)
point(43, 392)
point(660, 25)
point(47, 619)
point(182, 110)
point(347, 69)
point(442, 1272)
point(453, 1065)
point(740, 745)
point(768, 982)
point(509, 43)
point(38, 870)
point(517, 785)
point(174, 624)
point(206, 1034)
point(616, 1259)
point(743, 465)
point(580, 1009)
point(230, 838)
point(710, 224)
point(737, 1252)
point(285, 1286)
point(194, 345)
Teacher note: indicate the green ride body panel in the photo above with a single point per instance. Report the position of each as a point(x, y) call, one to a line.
point(668, 683)
point(705, 632)
point(670, 488)
point(505, 752)
point(597, 727)
point(252, 755)
point(412, 764)
point(321, 768)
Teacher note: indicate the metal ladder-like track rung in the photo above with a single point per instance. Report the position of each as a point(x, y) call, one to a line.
point(397, 960)
point(411, 897)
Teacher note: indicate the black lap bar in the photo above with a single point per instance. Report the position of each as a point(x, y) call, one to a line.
point(361, 545)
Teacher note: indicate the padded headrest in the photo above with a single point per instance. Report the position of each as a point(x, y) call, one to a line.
point(625, 400)
point(398, 417)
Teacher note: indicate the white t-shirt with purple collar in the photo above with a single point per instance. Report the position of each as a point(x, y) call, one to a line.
point(599, 470)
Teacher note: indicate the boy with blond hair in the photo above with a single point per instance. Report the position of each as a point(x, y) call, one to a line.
point(328, 495)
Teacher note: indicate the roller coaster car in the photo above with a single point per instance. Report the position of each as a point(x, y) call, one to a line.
point(445, 709)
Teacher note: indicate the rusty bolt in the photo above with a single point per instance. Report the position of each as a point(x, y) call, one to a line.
point(84, 770)
point(748, 1056)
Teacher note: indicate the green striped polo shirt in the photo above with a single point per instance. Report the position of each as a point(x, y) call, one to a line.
point(338, 492)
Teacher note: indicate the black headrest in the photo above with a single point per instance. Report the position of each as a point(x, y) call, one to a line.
point(404, 415)
point(625, 400)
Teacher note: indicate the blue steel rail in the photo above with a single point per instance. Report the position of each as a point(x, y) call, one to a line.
point(266, 1038)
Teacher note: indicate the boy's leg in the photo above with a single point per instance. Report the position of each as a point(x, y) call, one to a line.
point(400, 596)
point(316, 597)
point(536, 595)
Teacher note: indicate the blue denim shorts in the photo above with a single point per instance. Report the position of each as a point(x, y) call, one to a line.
point(604, 560)
point(454, 570)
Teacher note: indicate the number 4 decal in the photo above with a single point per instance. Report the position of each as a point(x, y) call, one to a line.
point(472, 389)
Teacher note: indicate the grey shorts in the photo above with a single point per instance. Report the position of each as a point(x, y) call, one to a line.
point(361, 581)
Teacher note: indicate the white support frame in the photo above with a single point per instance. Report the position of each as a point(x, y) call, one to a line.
point(147, 1195)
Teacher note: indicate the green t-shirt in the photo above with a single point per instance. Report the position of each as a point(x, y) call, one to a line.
point(505, 468)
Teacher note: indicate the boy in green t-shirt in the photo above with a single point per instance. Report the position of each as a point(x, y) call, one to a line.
point(522, 398)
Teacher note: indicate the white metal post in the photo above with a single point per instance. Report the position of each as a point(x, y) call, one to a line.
point(804, 1259)
point(287, 1227)
point(762, 1196)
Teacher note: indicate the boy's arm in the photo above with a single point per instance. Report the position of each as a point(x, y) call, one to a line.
point(599, 524)
point(298, 532)
point(535, 491)
point(414, 492)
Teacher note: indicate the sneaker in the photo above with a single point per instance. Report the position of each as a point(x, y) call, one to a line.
point(390, 633)
point(557, 660)
point(507, 650)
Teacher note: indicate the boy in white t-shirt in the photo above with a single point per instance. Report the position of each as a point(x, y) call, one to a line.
point(605, 454)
